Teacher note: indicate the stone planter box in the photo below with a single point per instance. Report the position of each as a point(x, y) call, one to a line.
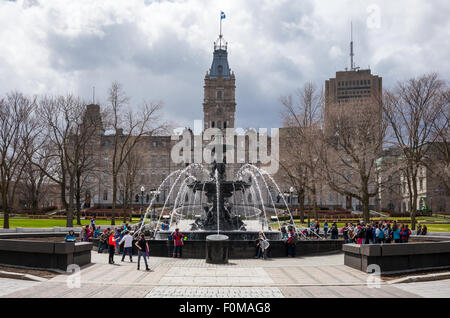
point(398, 258)
point(51, 255)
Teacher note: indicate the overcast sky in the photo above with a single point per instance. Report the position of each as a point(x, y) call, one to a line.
point(161, 50)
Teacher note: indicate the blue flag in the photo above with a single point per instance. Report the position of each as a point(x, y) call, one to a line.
point(222, 15)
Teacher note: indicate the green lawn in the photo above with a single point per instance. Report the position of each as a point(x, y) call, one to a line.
point(40, 223)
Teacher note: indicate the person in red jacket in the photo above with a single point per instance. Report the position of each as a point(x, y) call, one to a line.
point(178, 243)
point(405, 233)
point(111, 247)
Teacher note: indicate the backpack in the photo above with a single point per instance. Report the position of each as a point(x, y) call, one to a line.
point(294, 239)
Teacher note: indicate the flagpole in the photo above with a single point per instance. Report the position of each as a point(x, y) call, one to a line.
point(220, 36)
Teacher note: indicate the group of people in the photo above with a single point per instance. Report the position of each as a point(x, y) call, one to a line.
point(376, 233)
point(118, 238)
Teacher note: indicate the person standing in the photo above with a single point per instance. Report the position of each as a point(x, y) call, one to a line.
point(118, 238)
point(325, 229)
point(292, 242)
point(388, 233)
point(127, 241)
point(103, 241)
point(396, 233)
point(178, 243)
point(345, 233)
point(142, 246)
point(405, 234)
point(93, 222)
point(83, 234)
point(263, 244)
point(334, 231)
point(111, 246)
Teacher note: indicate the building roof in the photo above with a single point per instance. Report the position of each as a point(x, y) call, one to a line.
point(220, 63)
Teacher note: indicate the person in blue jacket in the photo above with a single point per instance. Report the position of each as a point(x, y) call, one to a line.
point(70, 237)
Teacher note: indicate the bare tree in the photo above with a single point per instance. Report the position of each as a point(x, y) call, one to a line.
point(17, 129)
point(33, 186)
point(302, 153)
point(129, 128)
point(413, 108)
point(134, 165)
point(350, 159)
point(64, 142)
point(438, 161)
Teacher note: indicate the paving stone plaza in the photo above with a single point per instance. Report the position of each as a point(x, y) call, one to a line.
point(310, 277)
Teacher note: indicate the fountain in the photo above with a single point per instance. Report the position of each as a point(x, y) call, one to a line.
point(218, 215)
point(222, 215)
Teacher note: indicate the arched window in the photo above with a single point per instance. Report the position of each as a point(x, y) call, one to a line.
point(219, 125)
point(212, 124)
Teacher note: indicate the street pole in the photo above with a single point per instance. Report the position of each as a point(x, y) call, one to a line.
point(142, 202)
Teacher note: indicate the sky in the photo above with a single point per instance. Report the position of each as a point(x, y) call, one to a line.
point(161, 50)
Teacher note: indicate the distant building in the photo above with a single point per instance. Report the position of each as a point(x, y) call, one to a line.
point(394, 194)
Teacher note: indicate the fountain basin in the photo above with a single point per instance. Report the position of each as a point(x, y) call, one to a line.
point(232, 235)
point(217, 249)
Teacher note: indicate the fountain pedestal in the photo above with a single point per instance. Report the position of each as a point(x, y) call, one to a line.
point(217, 249)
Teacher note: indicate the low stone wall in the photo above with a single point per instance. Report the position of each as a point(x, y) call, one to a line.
point(18, 251)
point(239, 249)
point(398, 258)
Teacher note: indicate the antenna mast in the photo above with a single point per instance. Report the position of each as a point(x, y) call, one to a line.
point(352, 66)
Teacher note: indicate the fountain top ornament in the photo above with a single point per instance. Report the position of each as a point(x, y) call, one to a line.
point(219, 217)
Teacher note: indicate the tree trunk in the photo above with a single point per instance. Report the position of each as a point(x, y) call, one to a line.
point(5, 211)
point(316, 213)
point(114, 199)
point(414, 209)
point(69, 213)
point(366, 209)
point(301, 203)
point(78, 200)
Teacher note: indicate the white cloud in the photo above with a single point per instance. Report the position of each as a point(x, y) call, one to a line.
point(160, 50)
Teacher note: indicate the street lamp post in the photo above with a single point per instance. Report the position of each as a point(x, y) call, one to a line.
point(142, 202)
point(154, 193)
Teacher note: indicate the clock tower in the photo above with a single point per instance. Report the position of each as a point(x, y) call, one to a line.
point(219, 104)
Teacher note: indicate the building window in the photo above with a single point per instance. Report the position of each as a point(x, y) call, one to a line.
point(105, 195)
point(212, 124)
point(219, 124)
point(219, 94)
point(225, 124)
